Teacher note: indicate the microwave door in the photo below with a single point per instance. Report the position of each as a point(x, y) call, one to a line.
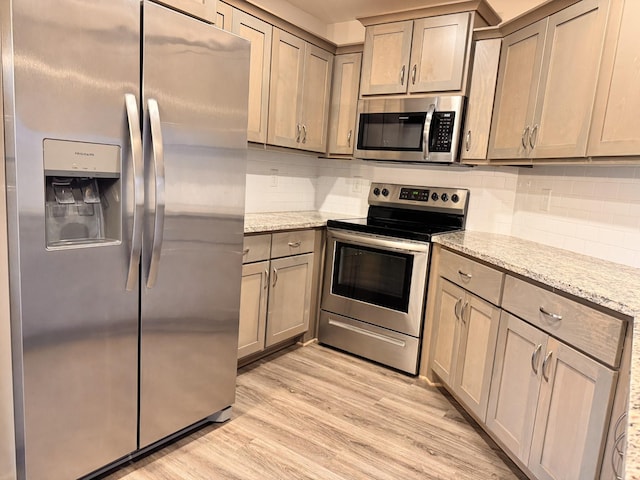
point(388, 136)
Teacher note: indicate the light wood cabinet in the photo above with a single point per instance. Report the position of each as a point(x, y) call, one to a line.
point(299, 93)
point(549, 404)
point(275, 299)
point(614, 128)
point(204, 9)
point(260, 35)
point(480, 101)
point(224, 16)
point(424, 55)
point(466, 328)
point(546, 85)
point(344, 103)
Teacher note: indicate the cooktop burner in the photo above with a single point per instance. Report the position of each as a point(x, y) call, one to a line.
point(410, 212)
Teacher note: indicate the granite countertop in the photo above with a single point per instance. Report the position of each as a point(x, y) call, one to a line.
point(272, 221)
point(604, 283)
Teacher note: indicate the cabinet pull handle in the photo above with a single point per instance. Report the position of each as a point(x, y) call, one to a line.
point(266, 278)
point(275, 277)
point(402, 72)
point(617, 454)
point(525, 135)
point(466, 275)
point(545, 375)
point(533, 137)
point(245, 251)
point(456, 307)
point(618, 422)
point(299, 131)
point(463, 311)
point(304, 133)
point(553, 316)
point(414, 70)
point(349, 138)
point(534, 358)
point(295, 244)
point(467, 142)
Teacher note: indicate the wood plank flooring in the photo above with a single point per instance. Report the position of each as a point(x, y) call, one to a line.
point(316, 413)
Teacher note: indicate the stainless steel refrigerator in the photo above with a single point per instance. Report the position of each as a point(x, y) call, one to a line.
point(125, 151)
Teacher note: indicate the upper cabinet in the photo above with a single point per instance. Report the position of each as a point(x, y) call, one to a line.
point(614, 130)
point(416, 56)
point(299, 93)
point(224, 16)
point(204, 9)
point(546, 85)
point(344, 103)
point(260, 35)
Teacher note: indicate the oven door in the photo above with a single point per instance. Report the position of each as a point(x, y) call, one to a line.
point(378, 280)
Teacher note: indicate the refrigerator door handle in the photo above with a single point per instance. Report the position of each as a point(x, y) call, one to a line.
point(135, 138)
point(158, 162)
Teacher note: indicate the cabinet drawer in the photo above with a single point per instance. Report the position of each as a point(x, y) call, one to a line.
point(477, 278)
point(256, 248)
point(292, 243)
point(589, 330)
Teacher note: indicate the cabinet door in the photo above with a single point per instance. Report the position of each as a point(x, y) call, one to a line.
point(285, 89)
point(316, 92)
point(574, 407)
point(614, 130)
point(515, 384)
point(446, 325)
point(224, 16)
point(476, 349)
point(518, 78)
point(260, 35)
point(289, 297)
point(570, 67)
point(204, 9)
point(253, 308)
point(480, 101)
point(385, 61)
point(344, 103)
point(438, 53)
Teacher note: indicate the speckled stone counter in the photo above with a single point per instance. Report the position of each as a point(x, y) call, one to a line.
point(272, 221)
point(607, 284)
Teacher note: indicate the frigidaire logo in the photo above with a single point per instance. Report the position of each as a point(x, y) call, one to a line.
point(85, 154)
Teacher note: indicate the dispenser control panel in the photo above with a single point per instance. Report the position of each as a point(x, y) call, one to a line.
point(81, 159)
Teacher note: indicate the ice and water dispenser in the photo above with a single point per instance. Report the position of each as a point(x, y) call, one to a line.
point(83, 193)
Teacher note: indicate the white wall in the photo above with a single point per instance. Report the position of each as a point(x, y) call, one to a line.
point(590, 210)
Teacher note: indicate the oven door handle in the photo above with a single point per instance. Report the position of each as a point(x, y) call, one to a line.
point(392, 244)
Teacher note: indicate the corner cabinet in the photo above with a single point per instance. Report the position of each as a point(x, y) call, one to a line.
point(614, 129)
point(546, 85)
point(203, 9)
point(415, 56)
point(260, 35)
point(299, 93)
point(275, 299)
point(344, 103)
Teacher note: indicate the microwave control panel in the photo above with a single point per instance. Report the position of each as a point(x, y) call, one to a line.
point(441, 131)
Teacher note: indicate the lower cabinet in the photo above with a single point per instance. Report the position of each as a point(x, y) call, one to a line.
point(275, 299)
point(549, 404)
point(466, 330)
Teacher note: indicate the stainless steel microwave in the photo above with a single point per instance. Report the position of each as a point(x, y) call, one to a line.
point(423, 129)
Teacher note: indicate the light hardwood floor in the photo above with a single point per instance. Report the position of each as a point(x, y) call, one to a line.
point(316, 413)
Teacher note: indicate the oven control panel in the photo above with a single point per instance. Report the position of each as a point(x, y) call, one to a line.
point(445, 199)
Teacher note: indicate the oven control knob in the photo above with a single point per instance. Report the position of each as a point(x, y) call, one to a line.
point(385, 192)
point(376, 191)
point(444, 197)
point(455, 198)
point(434, 196)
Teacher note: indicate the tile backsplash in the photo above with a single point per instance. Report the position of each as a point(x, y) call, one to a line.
point(590, 210)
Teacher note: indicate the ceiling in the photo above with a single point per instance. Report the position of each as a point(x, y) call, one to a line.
point(335, 20)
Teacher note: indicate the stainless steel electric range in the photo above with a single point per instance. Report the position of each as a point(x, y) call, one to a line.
point(377, 270)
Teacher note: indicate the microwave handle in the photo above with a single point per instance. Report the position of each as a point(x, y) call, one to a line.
point(427, 129)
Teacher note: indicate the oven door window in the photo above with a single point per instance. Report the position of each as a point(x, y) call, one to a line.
point(391, 131)
point(371, 275)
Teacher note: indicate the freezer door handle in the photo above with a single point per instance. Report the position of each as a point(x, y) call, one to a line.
point(158, 164)
point(135, 138)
